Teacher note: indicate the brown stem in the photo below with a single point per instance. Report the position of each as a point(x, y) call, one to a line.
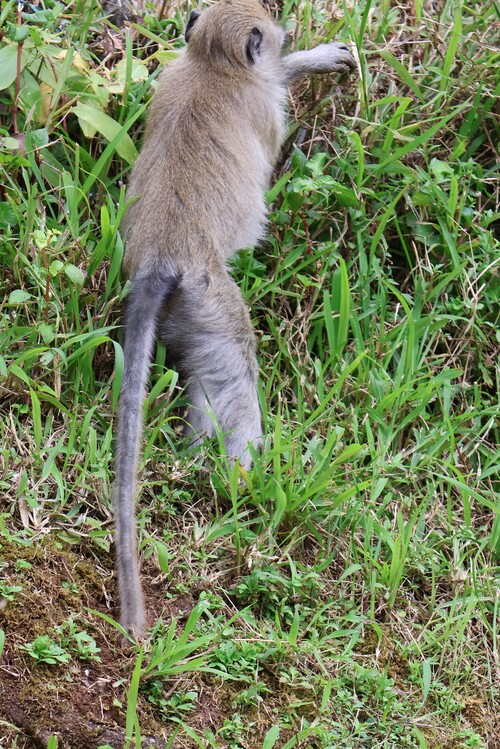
point(162, 10)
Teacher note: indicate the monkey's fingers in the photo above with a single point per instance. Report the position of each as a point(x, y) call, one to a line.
point(343, 61)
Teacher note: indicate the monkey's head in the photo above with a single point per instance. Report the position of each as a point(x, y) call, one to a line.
point(235, 32)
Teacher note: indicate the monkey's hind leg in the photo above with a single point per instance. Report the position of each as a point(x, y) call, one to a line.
point(218, 354)
point(227, 378)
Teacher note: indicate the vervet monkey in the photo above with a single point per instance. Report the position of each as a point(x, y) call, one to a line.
point(213, 136)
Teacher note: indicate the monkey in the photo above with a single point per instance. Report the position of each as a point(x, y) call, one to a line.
point(195, 197)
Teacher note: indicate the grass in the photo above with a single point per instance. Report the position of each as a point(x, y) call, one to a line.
point(345, 591)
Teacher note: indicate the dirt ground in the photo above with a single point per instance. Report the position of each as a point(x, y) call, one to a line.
point(79, 702)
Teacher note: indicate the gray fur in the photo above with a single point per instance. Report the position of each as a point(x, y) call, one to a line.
point(326, 58)
point(213, 136)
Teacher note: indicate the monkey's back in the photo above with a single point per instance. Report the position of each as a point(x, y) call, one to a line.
point(211, 141)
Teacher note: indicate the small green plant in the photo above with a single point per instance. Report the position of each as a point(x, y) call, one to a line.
point(470, 740)
point(80, 643)
point(8, 591)
point(84, 646)
point(252, 696)
point(70, 587)
point(173, 653)
point(44, 650)
point(239, 658)
point(175, 706)
point(234, 730)
point(270, 590)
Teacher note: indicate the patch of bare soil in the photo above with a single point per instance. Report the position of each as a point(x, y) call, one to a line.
point(79, 702)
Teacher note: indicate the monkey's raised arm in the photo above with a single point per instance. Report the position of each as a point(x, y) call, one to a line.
point(326, 58)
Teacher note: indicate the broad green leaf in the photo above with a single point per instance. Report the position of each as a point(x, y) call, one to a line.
point(75, 274)
point(8, 65)
point(18, 296)
point(102, 123)
point(271, 737)
point(7, 215)
point(162, 554)
point(426, 678)
point(20, 33)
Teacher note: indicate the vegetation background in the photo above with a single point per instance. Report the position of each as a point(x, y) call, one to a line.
point(345, 593)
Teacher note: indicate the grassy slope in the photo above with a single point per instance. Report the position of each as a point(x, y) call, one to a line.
point(348, 588)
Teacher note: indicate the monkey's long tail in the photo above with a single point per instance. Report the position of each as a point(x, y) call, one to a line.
point(149, 293)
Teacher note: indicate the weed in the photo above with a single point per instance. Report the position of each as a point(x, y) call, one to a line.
point(44, 650)
point(8, 591)
point(175, 706)
point(81, 643)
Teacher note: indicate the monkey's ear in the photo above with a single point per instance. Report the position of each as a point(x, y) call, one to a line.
point(195, 14)
point(253, 44)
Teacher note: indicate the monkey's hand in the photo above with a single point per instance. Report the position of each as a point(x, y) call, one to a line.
point(326, 58)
